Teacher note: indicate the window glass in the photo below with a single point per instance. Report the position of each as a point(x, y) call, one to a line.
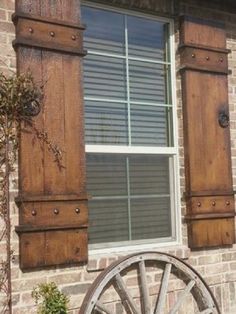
point(105, 77)
point(106, 123)
point(105, 31)
point(140, 45)
point(121, 88)
point(128, 106)
point(130, 194)
point(147, 82)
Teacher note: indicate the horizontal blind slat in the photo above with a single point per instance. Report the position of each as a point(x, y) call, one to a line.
point(108, 177)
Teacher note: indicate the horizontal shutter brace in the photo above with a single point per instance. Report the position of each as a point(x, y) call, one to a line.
point(188, 195)
point(23, 229)
point(209, 216)
point(49, 34)
point(51, 198)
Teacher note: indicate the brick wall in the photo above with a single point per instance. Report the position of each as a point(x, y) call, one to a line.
point(218, 266)
point(7, 55)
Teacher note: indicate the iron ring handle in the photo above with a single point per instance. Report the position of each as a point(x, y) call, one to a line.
point(223, 119)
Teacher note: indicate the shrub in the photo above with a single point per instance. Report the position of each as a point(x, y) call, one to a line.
point(53, 301)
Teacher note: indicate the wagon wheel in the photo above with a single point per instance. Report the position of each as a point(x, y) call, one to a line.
point(112, 285)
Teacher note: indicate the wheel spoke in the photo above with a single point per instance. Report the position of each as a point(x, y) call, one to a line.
point(164, 285)
point(101, 308)
point(125, 295)
point(182, 296)
point(144, 288)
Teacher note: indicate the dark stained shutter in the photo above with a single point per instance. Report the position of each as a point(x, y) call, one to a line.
point(209, 193)
point(52, 201)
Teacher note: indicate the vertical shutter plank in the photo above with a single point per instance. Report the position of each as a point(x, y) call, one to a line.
point(71, 12)
point(51, 9)
point(54, 120)
point(26, 6)
point(31, 173)
point(74, 120)
point(202, 32)
point(209, 142)
point(219, 232)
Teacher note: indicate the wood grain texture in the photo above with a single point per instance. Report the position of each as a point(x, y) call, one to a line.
point(30, 149)
point(204, 60)
point(61, 118)
point(217, 232)
point(74, 120)
point(54, 178)
point(212, 204)
point(209, 144)
point(197, 31)
point(40, 248)
point(55, 214)
point(47, 33)
point(208, 169)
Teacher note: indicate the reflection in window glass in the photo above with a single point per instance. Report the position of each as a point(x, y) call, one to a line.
point(151, 46)
point(128, 106)
point(130, 194)
point(105, 31)
point(147, 82)
point(105, 77)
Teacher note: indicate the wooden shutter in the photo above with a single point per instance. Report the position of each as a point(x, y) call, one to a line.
point(52, 201)
point(209, 193)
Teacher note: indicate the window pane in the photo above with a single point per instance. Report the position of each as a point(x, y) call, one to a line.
point(147, 82)
point(108, 221)
point(104, 77)
point(149, 175)
point(146, 38)
point(105, 30)
point(106, 123)
point(149, 125)
point(130, 195)
point(127, 87)
point(150, 218)
point(106, 175)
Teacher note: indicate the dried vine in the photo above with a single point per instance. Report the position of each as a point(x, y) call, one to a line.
point(20, 99)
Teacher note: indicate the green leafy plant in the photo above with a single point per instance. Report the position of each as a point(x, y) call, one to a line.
point(53, 301)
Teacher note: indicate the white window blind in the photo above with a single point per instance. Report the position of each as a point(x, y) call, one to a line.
point(128, 103)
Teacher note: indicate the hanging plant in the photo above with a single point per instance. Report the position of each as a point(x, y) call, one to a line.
point(20, 101)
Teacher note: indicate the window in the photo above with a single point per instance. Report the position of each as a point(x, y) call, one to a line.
point(129, 128)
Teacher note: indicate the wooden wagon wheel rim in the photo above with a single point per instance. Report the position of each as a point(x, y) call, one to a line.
point(196, 286)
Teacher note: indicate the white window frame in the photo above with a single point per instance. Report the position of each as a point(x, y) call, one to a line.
point(176, 239)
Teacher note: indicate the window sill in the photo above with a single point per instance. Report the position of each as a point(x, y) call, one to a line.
point(100, 259)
